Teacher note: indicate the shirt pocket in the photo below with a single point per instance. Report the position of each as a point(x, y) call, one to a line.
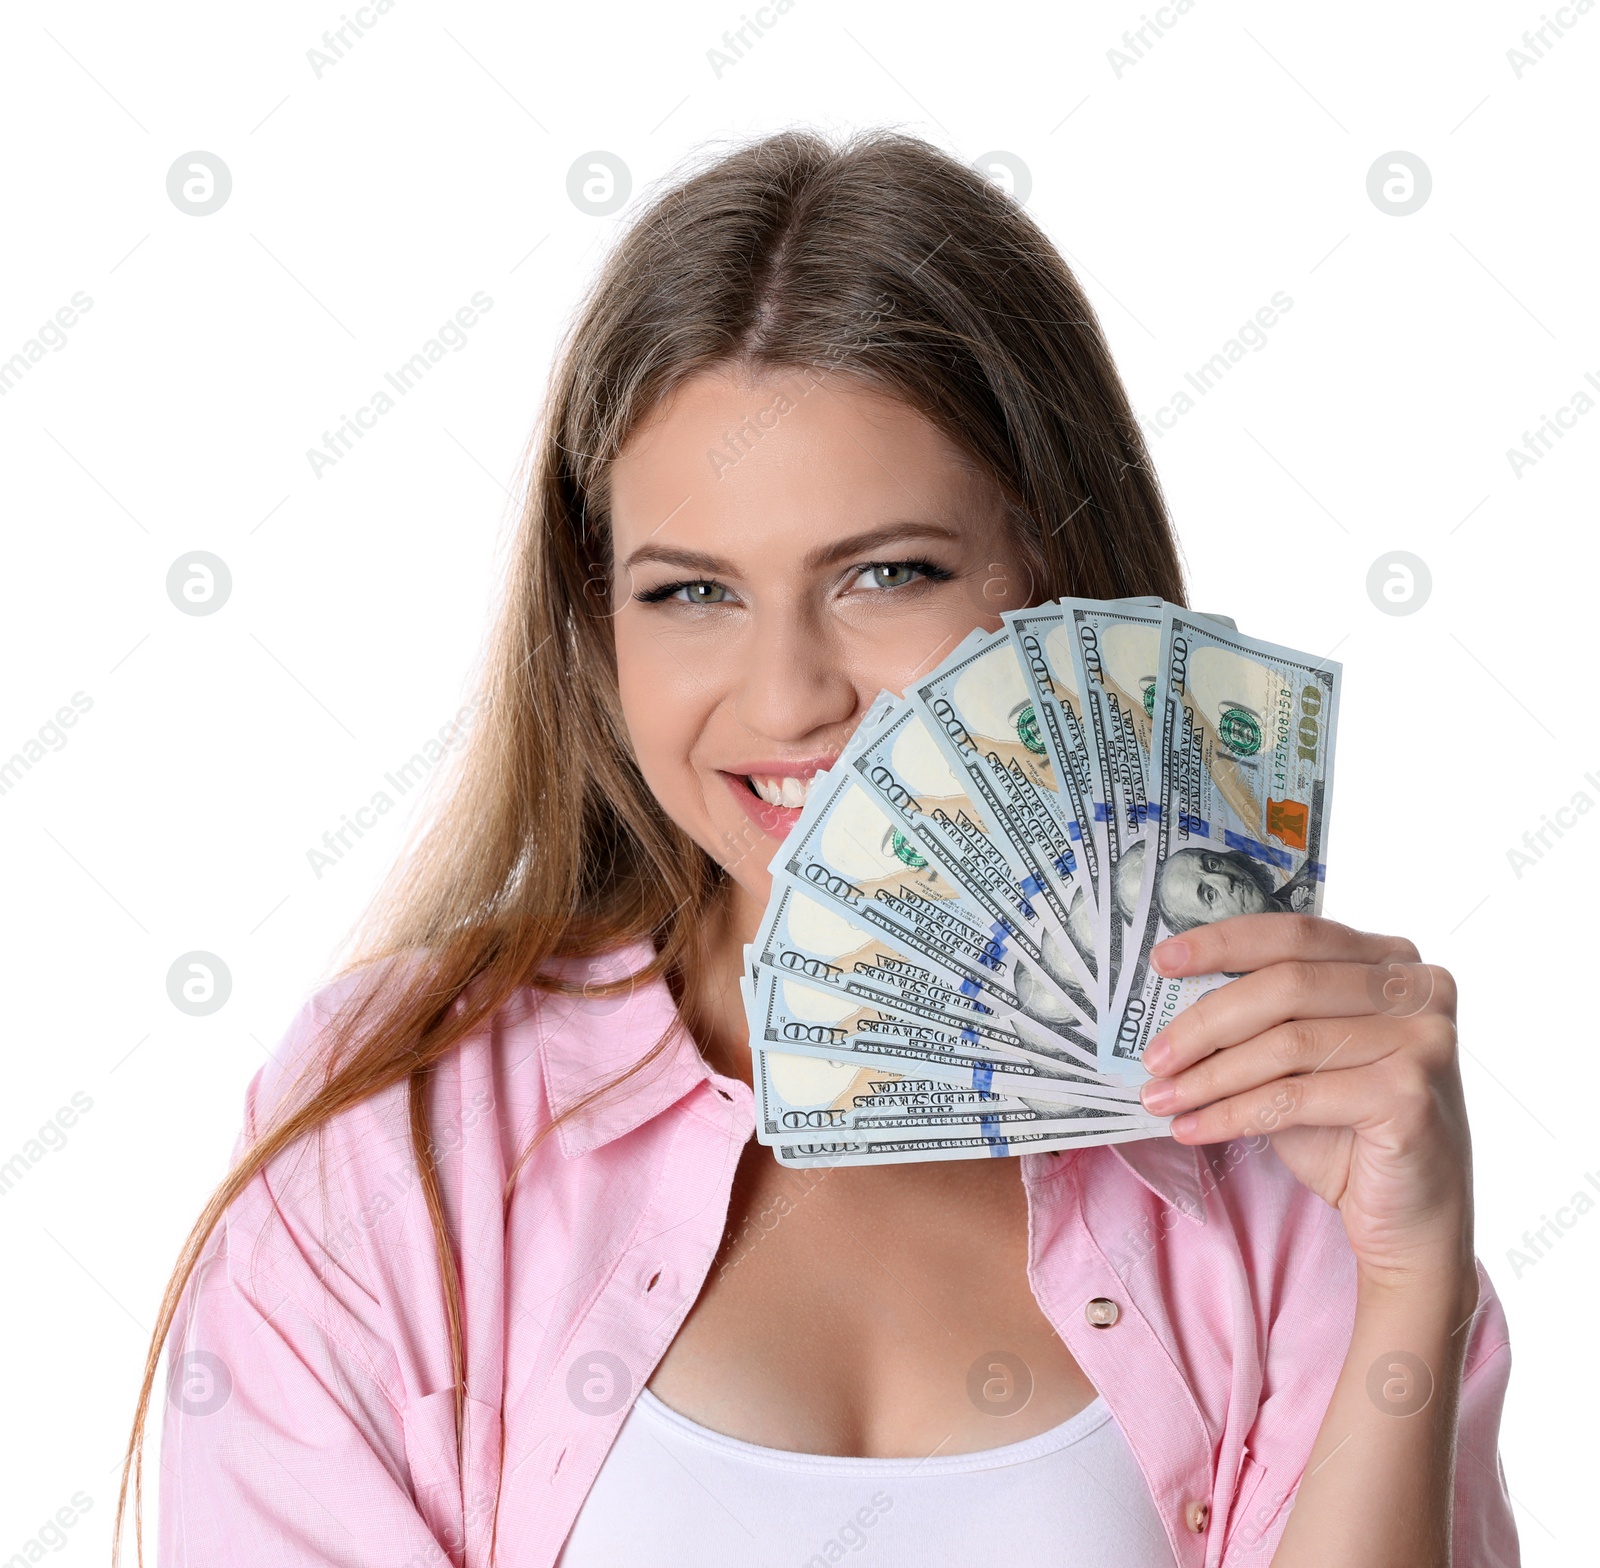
point(459, 1518)
point(1255, 1511)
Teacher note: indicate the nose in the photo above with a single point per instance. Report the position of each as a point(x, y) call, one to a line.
point(793, 683)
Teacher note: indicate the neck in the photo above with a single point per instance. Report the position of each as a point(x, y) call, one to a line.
point(714, 1008)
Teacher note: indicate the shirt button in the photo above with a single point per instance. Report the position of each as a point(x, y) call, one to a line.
point(1102, 1312)
point(1195, 1516)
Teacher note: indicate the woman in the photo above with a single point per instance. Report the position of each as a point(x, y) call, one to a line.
point(501, 1275)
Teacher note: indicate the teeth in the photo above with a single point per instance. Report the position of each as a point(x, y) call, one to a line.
point(789, 792)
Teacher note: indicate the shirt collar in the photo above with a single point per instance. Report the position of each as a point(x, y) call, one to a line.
point(1171, 1170)
point(589, 1040)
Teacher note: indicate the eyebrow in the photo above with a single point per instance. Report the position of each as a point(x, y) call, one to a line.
point(826, 555)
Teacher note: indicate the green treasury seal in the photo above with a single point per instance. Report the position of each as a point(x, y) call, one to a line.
point(1239, 731)
point(901, 845)
point(1028, 730)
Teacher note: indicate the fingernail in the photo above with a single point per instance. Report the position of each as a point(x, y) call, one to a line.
point(1184, 1125)
point(1170, 955)
point(1159, 1095)
point(1157, 1057)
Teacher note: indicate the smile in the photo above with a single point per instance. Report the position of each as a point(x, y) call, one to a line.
point(785, 791)
point(772, 794)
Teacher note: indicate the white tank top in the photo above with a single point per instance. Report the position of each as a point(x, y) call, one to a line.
point(672, 1492)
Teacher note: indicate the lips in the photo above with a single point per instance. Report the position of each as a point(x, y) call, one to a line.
point(773, 793)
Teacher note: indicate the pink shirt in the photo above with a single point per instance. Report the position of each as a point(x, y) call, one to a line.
point(310, 1413)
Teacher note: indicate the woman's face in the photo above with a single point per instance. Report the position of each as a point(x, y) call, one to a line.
point(783, 549)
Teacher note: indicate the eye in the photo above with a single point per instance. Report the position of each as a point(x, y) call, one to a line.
point(700, 591)
point(899, 574)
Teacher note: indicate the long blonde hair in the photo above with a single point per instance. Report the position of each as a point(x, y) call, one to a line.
point(882, 259)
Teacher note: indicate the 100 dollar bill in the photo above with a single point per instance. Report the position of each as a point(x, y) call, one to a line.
point(1116, 652)
point(847, 851)
point(807, 1020)
point(801, 1096)
point(897, 1151)
point(1045, 656)
point(913, 1011)
point(904, 768)
point(1243, 771)
point(978, 708)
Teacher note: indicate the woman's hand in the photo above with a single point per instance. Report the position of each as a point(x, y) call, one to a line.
point(1341, 1047)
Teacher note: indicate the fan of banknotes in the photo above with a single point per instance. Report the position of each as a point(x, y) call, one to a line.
point(955, 961)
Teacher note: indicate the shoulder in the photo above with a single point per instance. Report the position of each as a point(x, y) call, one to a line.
point(336, 1227)
point(508, 1046)
point(488, 1097)
point(330, 1184)
point(336, 1221)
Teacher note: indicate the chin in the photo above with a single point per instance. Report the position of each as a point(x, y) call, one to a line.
point(744, 855)
point(749, 872)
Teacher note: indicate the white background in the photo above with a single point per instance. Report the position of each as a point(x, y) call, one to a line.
point(1229, 163)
